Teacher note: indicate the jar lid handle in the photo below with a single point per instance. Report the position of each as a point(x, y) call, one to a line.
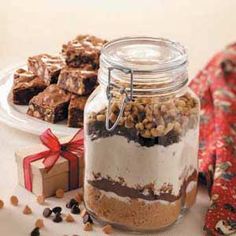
point(125, 100)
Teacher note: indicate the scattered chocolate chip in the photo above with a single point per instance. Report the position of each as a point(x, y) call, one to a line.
point(57, 218)
point(35, 232)
point(75, 210)
point(47, 212)
point(71, 203)
point(87, 219)
point(57, 210)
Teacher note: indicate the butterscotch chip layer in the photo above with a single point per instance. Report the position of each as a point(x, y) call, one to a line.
point(148, 121)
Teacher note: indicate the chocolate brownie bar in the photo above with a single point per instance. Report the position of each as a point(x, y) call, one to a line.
point(77, 80)
point(76, 111)
point(50, 105)
point(47, 67)
point(25, 86)
point(84, 49)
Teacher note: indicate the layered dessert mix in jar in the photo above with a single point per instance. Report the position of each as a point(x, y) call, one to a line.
point(141, 136)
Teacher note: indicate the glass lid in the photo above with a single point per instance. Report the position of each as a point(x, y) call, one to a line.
point(144, 54)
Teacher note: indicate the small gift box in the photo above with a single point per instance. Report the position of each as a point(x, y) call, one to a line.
point(54, 164)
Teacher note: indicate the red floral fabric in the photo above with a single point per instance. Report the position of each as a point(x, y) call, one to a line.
point(216, 87)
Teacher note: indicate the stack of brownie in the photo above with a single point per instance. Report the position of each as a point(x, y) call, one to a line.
point(57, 87)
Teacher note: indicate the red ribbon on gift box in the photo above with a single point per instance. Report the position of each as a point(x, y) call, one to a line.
point(71, 151)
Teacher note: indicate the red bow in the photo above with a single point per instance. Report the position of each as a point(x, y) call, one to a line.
point(71, 151)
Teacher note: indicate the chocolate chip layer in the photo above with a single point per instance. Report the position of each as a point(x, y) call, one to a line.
point(98, 130)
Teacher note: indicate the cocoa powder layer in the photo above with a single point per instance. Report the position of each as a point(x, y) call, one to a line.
point(135, 214)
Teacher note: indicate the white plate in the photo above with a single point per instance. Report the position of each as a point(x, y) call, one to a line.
point(15, 115)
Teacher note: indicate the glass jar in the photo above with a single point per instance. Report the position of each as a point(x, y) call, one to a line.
point(141, 136)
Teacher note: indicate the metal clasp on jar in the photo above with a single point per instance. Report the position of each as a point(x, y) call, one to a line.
point(123, 91)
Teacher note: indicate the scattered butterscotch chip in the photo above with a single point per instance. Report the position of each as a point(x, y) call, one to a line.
point(88, 227)
point(40, 199)
point(57, 218)
point(79, 197)
point(83, 213)
point(39, 223)
point(14, 200)
point(1, 204)
point(27, 210)
point(107, 229)
point(60, 193)
point(69, 218)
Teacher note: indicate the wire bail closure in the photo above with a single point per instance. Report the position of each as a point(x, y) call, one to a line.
point(126, 99)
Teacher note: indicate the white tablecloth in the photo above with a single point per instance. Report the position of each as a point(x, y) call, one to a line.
point(30, 27)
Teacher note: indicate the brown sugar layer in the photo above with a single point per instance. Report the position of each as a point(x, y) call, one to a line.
point(135, 214)
point(145, 192)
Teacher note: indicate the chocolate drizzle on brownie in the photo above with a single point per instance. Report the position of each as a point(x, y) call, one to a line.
point(145, 193)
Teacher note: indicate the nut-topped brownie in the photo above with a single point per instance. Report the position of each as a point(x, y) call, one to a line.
point(25, 86)
point(77, 80)
point(84, 49)
point(50, 105)
point(76, 111)
point(47, 67)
